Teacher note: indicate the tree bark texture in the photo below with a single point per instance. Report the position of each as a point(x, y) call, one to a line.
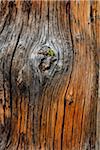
point(49, 56)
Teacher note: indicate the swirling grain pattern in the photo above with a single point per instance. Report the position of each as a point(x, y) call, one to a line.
point(48, 74)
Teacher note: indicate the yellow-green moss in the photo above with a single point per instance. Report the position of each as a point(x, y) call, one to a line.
point(51, 52)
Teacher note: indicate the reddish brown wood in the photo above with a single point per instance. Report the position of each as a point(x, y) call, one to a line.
point(49, 102)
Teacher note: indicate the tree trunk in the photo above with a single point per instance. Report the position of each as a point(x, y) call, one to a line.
point(48, 74)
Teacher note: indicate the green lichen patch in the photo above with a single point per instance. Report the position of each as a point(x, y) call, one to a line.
point(51, 52)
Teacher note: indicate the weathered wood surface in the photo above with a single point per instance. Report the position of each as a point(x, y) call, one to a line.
point(48, 101)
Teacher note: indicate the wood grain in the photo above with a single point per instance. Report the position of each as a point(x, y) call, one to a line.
point(49, 101)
